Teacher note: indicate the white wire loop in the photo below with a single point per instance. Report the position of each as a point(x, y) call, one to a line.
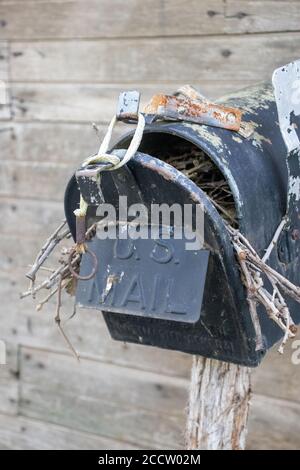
point(104, 157)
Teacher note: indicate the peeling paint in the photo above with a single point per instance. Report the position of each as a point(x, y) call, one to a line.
point(294, 187)
point(111, 280)
point(213, 139)
point(207, 134)
point(237, 139)
point(286, 82)
point(251, 99)
point(257, 138)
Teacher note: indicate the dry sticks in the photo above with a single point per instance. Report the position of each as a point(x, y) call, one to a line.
point(47, 249)
point(254, 270)
point(195, 164)
point(59, 278)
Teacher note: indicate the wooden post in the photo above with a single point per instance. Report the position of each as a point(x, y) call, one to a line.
point(218, 405)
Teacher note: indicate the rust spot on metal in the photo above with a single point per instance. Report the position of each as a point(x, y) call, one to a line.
point(293, 329)
point(203, 112)
point(296, 234)
point(190, 92)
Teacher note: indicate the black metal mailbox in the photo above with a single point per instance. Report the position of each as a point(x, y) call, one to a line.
point(186, 300)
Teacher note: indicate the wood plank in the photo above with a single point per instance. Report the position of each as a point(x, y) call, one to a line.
point(67, 19)
point(12, 259)
point(87, 331)
point(273, 424)
point(9, 379)
point(37, 180)
point(4, 54)
point(251, 57)
point(278, 376)
point(261, 16)
point(24, 433)
point(19, 433)
point(8, 142)
point(58, 143)
point(105, 382)
point(91, 102)
point(31, 218)
point(5, 108)
point(146, 429)
point(51, 142)
point(77, 404)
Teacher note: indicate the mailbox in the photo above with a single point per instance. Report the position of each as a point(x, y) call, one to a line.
point(152, 291)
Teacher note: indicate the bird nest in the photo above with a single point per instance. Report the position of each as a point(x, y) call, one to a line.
point(198, 167)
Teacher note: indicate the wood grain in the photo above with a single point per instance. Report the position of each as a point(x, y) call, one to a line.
point(218, 405)
point(86, 403)
point(49, 142)
point(43, 181)
point(274, 424)
point(9, 379)
point(29, 217)
point(278, 376)
point(105, 382)
point(4, 53)
point(19, 433)
point(5, 109)
point(93, 18)
point(153, 61)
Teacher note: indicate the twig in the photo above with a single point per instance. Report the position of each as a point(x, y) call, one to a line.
point(47, 249)
point(223, 210)
point(43, 268)
point(50, 281)
point(61, 270)
point(96, 129)
point(252, 267)
point(48, 296)
point(274, 240)
point(58, 320)
point(250, 299)
point(73, 313)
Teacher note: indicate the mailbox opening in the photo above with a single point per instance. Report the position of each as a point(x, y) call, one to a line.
point(198, 166)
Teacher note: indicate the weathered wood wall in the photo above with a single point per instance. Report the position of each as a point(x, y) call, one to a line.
point(64, 62)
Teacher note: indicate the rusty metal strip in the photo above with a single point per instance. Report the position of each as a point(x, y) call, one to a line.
point(186, 104)
point(182, 108)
